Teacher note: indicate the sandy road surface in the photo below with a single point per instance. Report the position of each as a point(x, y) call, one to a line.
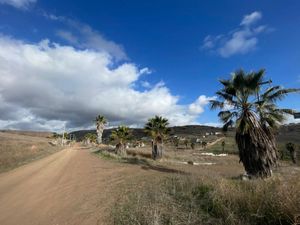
point(68, 187)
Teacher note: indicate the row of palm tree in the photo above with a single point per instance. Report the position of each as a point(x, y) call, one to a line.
point(246, 106)
point(251, 109)
point(156, 128)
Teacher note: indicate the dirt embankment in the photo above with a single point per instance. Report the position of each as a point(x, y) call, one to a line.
point(18, 149)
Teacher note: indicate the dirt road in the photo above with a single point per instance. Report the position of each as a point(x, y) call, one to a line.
point(68, 187)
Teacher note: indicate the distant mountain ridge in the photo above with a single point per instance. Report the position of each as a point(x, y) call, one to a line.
point(182, 131)
point(286, 133)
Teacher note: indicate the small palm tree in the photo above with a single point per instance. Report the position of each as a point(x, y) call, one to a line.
point(223, 145)
point(193, 145)
point(121, 135)
point(176, 142)
point(291, 147)
point(186, 142)
point(157, 128)
point(100, 125)
point(90, 138)
point(255, 116)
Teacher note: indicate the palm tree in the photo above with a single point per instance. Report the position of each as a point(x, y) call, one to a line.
point(223, 145)
point(90, 138)
point(204, 144)
point(291, 147)
point(255, 116)
point(186, 142)
point(100, 125)
point(193, 145)
point(121, 135)
point(157, 128)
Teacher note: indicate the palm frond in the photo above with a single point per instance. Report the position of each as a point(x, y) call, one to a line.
point(214, 104)
point(225, 116)
point(281, 94)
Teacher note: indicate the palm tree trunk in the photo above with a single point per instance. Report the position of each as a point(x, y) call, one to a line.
point(257, 149)
point(293, 156)
point(100, 128)
point(160, 148)
point(154, 150)
point(157, 148)
point(120, 149)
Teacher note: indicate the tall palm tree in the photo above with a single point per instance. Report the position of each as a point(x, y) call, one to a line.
point(121, 135)
point(100, 125)
point(254, 114)
point(157, 128)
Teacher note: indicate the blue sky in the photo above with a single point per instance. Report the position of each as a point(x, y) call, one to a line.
point(168, 53)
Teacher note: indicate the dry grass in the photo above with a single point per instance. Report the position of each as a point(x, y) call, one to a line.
point(142, 152)
point(208, 194)
point(203, 200)
point(17, 149)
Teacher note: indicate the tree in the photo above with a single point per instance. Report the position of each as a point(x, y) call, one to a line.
point(176, 142)
point(252, 110)
point(90, 138)
point(186, 142)
point(121, 135)
point(204, 144)
point(100, 125)
point(157, 128)
point(223, 145)
point(291, 147)
point(193, 145)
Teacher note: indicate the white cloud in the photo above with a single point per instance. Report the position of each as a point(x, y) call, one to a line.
point(290, 119)
point(197, 107)
point(83, 36)
point(20, 4)
point(145, 70)
point(68, 36)
point(242, 40)
point(146, 84)
point(251, 18)
point(46, 85)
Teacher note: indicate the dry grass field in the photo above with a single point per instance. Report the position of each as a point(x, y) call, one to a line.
point(18, 148)
point(210, 191)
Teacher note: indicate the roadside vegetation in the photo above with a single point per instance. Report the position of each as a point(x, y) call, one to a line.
point(251, 108)
point(211, 196)
point(204, 200)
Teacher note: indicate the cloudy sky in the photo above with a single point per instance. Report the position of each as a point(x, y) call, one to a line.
point(63, 63)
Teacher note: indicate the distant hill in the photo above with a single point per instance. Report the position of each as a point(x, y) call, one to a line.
point(190, 131)
point(286, 133)
point(29, 133)
point(289, 133)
